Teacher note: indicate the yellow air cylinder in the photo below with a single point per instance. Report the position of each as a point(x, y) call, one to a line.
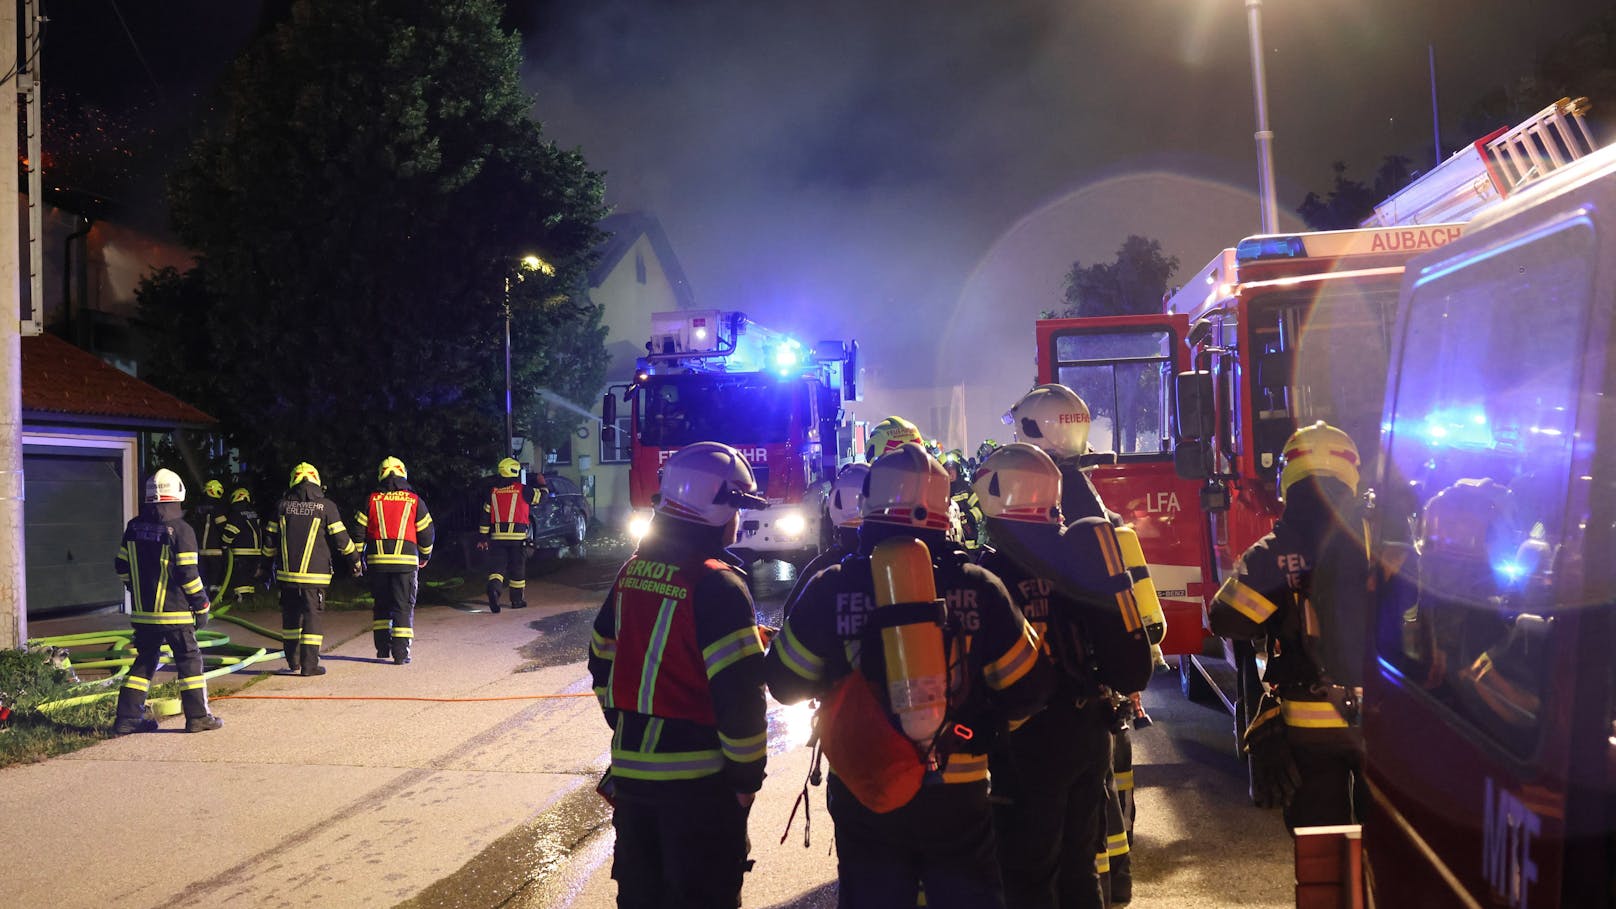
point(1144, 590)
point(917, 667)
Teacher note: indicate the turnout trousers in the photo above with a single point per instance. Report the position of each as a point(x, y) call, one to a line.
point(301, 612)
point(1118, 862)
point(507, 570)
point(680, 845)
point(1049, 801)
point(243, 573)
point(393, 615)
point(149, 641)
point(942, 840)
point(1331, 790)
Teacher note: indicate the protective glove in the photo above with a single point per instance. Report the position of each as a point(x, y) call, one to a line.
point(482, 545)
point(201, 616)
point(1274, 777)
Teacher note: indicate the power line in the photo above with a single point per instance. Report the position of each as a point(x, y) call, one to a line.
point(136, 45)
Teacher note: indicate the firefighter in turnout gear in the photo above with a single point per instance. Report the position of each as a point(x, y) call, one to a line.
point(505, 530)
point(210, 521)
point(888, 435)
point(1306, 580)
point(965, 499)
point(677, 664)
point(157, 563)
point(1049, 774)
point(243, 542)
point(395, 535)
point(305, 521)
point(1054, 418)
point(834, 646)
point(844, 509)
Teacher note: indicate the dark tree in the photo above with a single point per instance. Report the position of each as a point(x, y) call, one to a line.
point(1132, 284)
point(1580, 63)
point(1350, 201)
point(368, 186)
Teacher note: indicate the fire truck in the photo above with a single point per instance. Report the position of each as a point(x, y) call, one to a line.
point(717, 376)
point(1274, 333)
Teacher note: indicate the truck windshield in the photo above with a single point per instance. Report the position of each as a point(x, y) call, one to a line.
point(1124, 377)
point(736, 410)
point(1320, 354)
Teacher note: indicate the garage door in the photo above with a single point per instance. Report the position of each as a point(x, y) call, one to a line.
point(74, 521)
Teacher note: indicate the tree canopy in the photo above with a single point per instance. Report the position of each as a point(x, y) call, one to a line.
point(1350, 201)
point(1132, 284)
point(360, 206)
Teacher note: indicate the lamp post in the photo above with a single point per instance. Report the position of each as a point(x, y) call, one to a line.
point(1264, 135)
point(527, 263)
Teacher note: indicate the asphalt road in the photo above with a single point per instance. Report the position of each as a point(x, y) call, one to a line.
point(1198, 841)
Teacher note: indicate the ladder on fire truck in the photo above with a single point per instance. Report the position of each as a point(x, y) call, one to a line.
point(1491, 168)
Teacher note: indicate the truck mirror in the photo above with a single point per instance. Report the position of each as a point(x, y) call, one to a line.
point(1189, 460)
point(608, 410)
point(1215, 496)
point(1193, 414)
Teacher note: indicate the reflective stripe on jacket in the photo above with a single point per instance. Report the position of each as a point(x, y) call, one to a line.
point(396, 530)
point(157, 562)
point(507, 513)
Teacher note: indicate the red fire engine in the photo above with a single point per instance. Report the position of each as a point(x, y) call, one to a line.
point(712, 376)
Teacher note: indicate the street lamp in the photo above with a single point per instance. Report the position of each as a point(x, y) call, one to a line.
point(1264, 135)
point(528, 263)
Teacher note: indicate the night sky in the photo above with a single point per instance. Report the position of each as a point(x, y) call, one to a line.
point(920, 175)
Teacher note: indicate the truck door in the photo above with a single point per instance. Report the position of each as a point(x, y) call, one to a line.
point(1123, 368)
point(1488, 717)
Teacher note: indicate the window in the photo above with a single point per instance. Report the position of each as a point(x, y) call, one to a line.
point(751, 409)
point(1480, 456)
point(1126, 378)
point(618, 450)
point(562, 456)
point(639, 268)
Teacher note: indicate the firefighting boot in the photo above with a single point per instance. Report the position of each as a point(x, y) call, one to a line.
point(494, 589)
point(401, 651)
point(131, 713)
point(309, 654)
point(384, 642)
point(205, 723)
point(289, 643)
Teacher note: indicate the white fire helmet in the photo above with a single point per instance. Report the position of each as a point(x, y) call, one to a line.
point(1053, 418)
point(907, 487)
point(707, 483)
point(1019, 482)
point(846, 501)
point(165, 486)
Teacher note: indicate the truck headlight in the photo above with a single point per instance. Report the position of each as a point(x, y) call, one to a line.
point(638, 526)
point(791, 524)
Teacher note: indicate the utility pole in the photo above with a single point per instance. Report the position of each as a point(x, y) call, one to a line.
point(1264, 135)
point(13, 586)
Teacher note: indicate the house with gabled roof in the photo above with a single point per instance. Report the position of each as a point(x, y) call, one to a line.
point(87, 432)
point(637, 274)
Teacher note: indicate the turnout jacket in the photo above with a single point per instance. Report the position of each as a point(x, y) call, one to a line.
point(1303, 590)
point(507, 512)
point(846, 544)
point(297, 535)
point(243, 531)
point(1072, 587)
point(395, 529)
point(211, 518)
point(1079, 498)
point(997, 677)
point(677, 663)
point(157, 562)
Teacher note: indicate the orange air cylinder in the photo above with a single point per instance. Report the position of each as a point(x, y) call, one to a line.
point(917, 667)
point(1144, 589)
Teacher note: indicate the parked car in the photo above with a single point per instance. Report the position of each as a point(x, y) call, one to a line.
point(560, 521)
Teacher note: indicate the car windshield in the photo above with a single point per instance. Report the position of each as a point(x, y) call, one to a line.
point(751, 409)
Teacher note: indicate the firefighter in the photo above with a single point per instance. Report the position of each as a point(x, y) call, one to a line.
point(1049, 774)
point(936, 831)
point(305, 520)
point(888, 435)
point(157, 563)
point(506, 520)
point(965, 500)
point(1055, 419)
point(1302, 590)
point(243, 542)
point(210, 521)
point(844, 509)
point(677, 664)
point(395, 535)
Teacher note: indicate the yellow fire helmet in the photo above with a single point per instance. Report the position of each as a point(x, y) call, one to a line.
point(1318, 450)
point(213, 489)
point(304, 471)
point(391, 467)
point(889, 435)
point(510, 467)
point(240, 494)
